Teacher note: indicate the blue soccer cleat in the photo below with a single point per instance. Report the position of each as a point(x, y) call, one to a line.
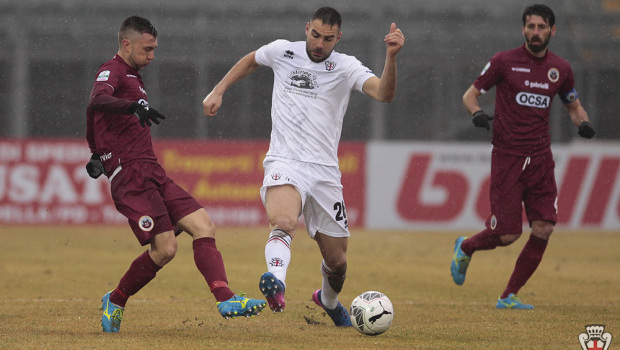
point(273, 289)
point(339, 315)
point(512, 301)
point(239, 305)
point(112, 315)
point(460, 262)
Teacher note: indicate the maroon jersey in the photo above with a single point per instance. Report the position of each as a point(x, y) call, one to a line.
point(526, 86)
point(112, 132)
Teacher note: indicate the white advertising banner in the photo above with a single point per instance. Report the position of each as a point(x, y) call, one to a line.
point(443, 186)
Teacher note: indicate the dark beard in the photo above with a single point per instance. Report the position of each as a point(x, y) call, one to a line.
point(539, 48)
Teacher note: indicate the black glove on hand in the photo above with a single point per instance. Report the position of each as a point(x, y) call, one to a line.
point(481, 119)
point(586, 130)
point(145, 114)
point(95, 167)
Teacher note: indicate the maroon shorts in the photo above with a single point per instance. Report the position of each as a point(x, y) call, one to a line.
point(518, 181)
point(151, 202)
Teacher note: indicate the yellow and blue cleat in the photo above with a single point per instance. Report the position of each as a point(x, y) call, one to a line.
point(112, 315)
point(512, 301)
point(460, 262)
point(239, 305)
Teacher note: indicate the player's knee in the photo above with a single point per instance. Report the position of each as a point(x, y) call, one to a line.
point(164, 253)
point(542, 229)
point(285, 223)
point(507, 240)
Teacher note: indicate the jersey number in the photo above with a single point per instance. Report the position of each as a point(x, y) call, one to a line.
point(341, 213)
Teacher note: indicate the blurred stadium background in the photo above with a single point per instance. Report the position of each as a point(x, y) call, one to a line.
point(51, 50)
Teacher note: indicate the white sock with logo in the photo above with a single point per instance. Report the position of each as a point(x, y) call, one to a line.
point(278, 253)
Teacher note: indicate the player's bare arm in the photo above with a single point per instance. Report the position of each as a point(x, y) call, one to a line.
point(470, 100)
point(246, 66)
point(384, 89)
point(577, 114)
point(580, 119)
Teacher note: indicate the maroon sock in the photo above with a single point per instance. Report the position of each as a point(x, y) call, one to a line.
point(483, 240)
point(210, 263)
point(140, 273)
point(527, 263)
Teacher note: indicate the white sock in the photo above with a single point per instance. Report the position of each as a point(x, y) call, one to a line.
point(278, 253)
point(329, 297)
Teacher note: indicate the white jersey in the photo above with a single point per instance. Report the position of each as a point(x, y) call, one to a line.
point(309, 100)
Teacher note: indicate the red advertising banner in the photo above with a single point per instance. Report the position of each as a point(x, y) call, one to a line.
point(45, 181)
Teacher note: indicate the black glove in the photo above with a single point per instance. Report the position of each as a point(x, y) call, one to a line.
point(145, 114)
point(481, 119)
point(586, 130)
point(95, 167)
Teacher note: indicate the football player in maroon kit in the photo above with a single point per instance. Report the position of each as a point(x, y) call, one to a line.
point(118, 133)
point(522, 167)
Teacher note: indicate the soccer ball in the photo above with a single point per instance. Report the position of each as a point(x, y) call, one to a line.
point(372, 313)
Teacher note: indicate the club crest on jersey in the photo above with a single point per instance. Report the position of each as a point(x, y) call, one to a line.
point(330, 66)
point(553, 74)
point(276, 176)
point(146, 223)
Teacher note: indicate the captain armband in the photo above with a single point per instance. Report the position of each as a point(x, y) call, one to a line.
point(569, 97)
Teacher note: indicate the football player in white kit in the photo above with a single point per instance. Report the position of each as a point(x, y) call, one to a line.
point(311, 90)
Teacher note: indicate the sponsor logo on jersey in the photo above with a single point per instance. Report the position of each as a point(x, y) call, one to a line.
point(533, 100)
point(289, 54)
point(146, 223)
point(519, 69)
point(533, 84)
point(553, 74)
point(104, 76)
point(143, 90)
point(302, 79)
point(330, 66)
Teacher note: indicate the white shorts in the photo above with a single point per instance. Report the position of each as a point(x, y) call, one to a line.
point(320, 188)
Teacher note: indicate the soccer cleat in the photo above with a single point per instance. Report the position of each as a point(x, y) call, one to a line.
point(512, 301)
point(112, 315)
point(460, 262)
point(339, 315)
point(273, 289)
point(239, 305)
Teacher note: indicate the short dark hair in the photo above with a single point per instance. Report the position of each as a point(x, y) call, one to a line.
point(540, 10)
point(136, 24)
point(328, 15)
